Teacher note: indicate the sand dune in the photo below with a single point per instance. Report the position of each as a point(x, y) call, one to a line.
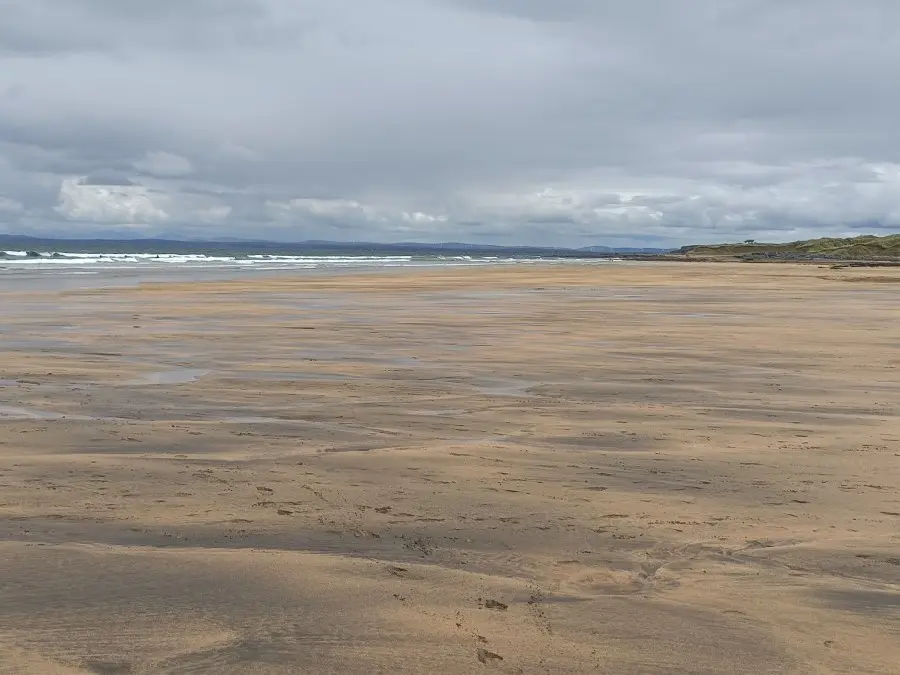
point(552, 469)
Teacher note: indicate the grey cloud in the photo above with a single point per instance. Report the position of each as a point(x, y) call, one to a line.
point(525, 120)
point(106, 178)
point(164, 165)
point(52, 27)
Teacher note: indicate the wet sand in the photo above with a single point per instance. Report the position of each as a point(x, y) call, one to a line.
point(667, 468)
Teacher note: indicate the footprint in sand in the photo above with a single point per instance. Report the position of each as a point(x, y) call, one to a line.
point(485, 656)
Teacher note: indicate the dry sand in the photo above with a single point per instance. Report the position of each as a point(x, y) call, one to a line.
point(666, 468)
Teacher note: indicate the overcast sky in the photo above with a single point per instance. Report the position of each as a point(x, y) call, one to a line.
point(569, 122)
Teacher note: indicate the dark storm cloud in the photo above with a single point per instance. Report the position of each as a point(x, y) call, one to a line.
point(560, 122)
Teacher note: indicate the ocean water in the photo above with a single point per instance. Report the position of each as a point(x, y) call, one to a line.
point(20, 269)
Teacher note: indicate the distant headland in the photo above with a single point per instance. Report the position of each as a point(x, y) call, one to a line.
point(869, 248)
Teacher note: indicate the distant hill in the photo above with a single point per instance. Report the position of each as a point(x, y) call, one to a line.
point(235, 246)
point(867, 247)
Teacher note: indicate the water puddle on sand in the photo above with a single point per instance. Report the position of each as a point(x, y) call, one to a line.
point(438, 413)
point(502, 387)
point(288, 376)
point(259, 419)
point(359, 355)
point(254, 420)
point(8, 412)
point(703, 315)
point(163, 377)
point(491, 386)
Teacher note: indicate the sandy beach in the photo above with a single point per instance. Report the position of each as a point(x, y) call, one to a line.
point(615, 468)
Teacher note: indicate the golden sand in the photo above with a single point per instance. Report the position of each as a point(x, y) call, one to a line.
point(667, 468)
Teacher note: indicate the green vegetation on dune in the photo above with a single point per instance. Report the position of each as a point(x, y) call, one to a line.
point(867, 247)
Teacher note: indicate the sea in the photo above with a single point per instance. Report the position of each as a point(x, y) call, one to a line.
point(129, 263)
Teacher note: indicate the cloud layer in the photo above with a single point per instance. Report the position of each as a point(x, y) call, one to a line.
point(573, 122)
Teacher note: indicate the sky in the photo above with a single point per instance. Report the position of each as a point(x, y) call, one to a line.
point(563, 122)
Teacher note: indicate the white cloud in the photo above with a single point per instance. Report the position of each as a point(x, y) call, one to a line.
point(114, 204)
point(344, 209)
point(825, 197)
point(351, 214)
